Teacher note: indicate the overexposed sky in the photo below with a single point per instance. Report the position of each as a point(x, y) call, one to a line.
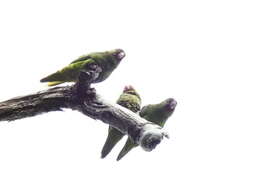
point(198, 52)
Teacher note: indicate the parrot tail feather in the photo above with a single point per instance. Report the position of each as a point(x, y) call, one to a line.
point(122, 153)
point(58, 76)
point(127, 147)
point(114, 136)
point(54, 83)
point(108, 146)
point(106, 149)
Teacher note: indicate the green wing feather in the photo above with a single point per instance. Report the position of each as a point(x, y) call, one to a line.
point(81, 58)
point(69, 73)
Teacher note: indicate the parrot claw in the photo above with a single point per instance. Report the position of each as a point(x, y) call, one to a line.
point(95, 71)
point(94, 67)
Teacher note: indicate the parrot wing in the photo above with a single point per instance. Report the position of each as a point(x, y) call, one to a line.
point(144, 111)
point(69, 73)
point(81, 58)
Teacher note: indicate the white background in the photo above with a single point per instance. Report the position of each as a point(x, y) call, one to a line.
point(198, 52)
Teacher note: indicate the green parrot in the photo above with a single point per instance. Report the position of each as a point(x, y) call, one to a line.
point(131, 100)
point(107, 61)
point(155, 113)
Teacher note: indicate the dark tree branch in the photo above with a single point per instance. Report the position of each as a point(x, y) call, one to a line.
point(84, 99)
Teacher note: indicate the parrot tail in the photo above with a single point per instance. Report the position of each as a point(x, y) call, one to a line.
point(112, 139)
point(58, 76)
point(54, 83)
point(127, 147)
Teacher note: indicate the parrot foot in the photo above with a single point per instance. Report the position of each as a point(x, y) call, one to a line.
point(94, 67)
point(95, 70)
point(82, 87)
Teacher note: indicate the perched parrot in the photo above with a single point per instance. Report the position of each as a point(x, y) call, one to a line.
point(131, 100)
point(156, 113)
point(107, 61)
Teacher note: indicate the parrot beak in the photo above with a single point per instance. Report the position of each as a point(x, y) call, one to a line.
point(119, 54)
point(171, 103)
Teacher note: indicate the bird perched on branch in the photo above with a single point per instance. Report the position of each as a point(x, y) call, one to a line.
point(131, 100)
point(156, 113)
point(107, 61)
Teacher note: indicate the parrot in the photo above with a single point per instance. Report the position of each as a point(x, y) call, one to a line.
point(155, 113)
point(131, 100)
point(107, 61)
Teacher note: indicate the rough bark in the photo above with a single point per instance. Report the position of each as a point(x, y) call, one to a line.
point(82, 98)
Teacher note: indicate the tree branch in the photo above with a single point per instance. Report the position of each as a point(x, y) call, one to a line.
point(82, 98)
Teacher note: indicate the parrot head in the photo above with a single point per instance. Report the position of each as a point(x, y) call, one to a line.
point(168, 106)
point(164, 110)
point(118, 54)
point(108, 61)
point(130, 90)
